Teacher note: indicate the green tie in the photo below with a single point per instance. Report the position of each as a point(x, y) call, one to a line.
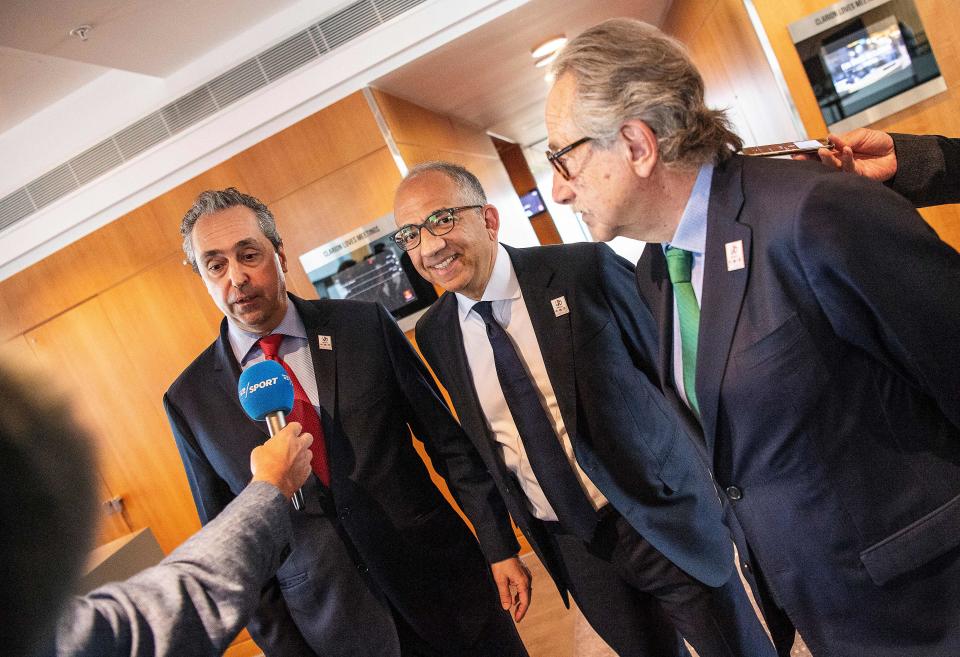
point(679, 263)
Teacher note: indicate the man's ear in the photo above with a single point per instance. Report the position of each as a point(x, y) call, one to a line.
point(283, 259)
point(642, 146)
point(491, 220)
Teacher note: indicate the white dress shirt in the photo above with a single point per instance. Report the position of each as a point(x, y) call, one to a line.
point(510, 311)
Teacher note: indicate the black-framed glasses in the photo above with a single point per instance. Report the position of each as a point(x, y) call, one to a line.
point(556, 157)
point(439, 223)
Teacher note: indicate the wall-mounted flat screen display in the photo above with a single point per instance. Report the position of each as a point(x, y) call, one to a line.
point(532, 203)
point(866, 59)
point(367, 265)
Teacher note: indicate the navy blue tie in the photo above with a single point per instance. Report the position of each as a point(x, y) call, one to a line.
point(554, 472)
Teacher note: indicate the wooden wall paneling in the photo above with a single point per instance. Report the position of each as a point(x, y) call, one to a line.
point(412, 124)
point(471, 139)
point(162, 318)
point(83, 268)
point(686, 17)
point(138, 460)
point(9, 319)
point(414, 154)
point(728, 54)
point(110, 525)
point(15, 352)
point(286, 161)
point(331, 206)
point(311, 149)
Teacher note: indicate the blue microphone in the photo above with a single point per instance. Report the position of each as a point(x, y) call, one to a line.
point(266, 394)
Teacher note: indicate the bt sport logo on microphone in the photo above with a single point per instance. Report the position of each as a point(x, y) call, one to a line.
point(253, 386)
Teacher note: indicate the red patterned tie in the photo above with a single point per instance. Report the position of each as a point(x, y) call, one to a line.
point(303, 411)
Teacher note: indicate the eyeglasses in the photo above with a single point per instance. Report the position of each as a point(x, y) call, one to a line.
point(556, 157)
point(439, 223)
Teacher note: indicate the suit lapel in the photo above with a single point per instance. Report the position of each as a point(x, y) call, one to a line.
point(723, 290)
point(227, 373)
point(654, 285)
point(318, 322)
point(554, 333)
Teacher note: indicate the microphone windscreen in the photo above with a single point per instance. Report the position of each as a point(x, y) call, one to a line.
point(265, 388)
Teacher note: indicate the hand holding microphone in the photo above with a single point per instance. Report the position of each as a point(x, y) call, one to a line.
point(284, 460)
point(266, 394)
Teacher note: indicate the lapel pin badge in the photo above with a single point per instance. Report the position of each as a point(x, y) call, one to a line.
point(735, 255)
point(559, 306)
point(325, 342)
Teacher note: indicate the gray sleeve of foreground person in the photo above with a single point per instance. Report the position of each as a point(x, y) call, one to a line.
point(198, 599)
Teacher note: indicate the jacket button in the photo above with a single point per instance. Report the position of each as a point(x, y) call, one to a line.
point(362, 568)
point(746, 567)
point(344, 513)
point(734, 493)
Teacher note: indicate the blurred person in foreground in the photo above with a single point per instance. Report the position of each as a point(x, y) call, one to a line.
point(193, 603)
point(808, 333)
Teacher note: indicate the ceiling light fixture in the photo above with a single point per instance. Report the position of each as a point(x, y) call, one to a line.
point(82, 32)
point(547, 47)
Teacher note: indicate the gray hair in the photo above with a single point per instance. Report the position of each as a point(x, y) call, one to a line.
point(214, 200)
point(467, 183)
point(626, 69)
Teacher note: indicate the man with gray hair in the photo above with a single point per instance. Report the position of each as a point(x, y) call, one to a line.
point(808, 333)
point(380, 564)
point(545, 354)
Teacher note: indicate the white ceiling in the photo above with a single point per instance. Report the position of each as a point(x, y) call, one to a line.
point(40, 62)
point(59, 96)
point(487, 76)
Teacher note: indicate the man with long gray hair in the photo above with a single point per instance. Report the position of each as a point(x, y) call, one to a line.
point(808, 334)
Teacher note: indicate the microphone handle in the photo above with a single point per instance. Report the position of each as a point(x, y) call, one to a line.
point(276, 421)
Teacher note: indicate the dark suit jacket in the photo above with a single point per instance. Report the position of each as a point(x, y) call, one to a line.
point(928, 169)
point(625, 437)
point(372, 387)
point(828, 377)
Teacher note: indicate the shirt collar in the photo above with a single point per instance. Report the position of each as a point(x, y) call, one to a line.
point(243, 342)
point(691, 233)
point(503, 284)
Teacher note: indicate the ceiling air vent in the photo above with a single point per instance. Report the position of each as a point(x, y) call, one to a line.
point(237, 82)
point(288, 55)
point(191, 108)
point(14, 207)
point(136, 138)
point(96, 161)
point(52, 185)
point(388, 9)
point(187, 110)
point(349, 23)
